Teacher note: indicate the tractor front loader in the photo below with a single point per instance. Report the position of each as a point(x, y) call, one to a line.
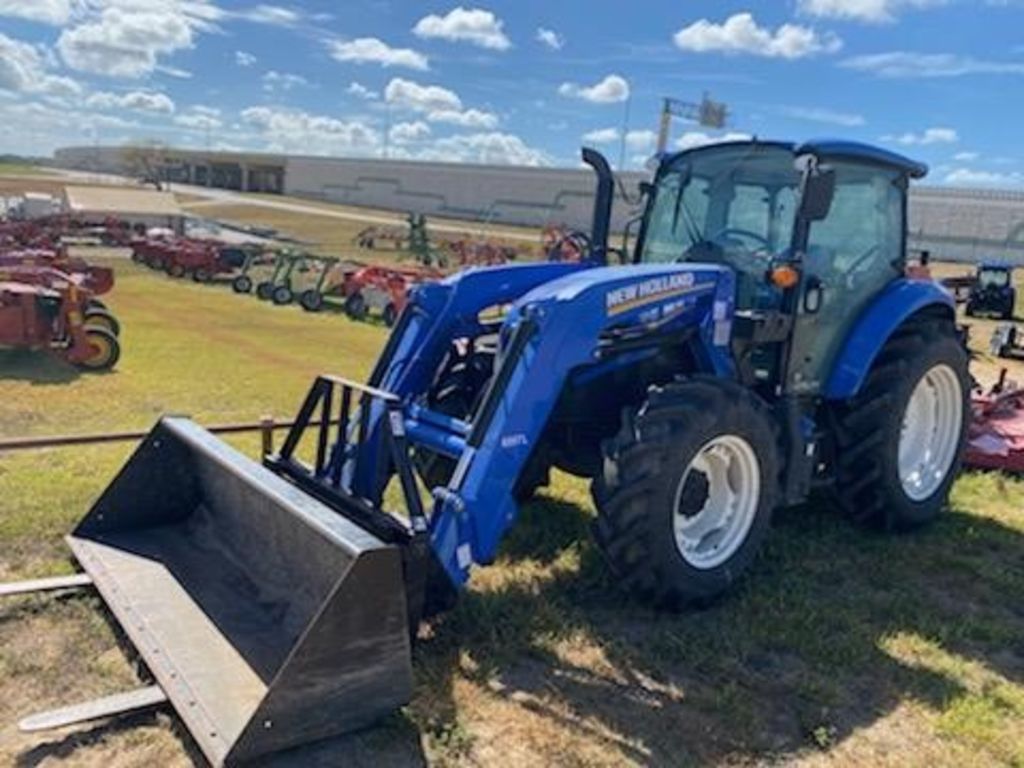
point(764, 342)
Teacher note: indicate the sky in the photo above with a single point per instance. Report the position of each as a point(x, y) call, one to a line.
point(518, 81)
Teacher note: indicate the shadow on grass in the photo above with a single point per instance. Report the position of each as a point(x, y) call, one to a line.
point(37, 367)
point(796, 659)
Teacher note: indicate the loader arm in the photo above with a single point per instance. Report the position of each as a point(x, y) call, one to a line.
point(595, 317)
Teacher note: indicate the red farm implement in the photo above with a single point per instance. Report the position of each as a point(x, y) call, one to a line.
point(94, 311)
point(996, 437)
point(57, 317)
point(203, 260)
point(381, 289)
point(97, 280)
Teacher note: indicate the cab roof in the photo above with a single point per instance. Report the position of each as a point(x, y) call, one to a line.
point(836, 149)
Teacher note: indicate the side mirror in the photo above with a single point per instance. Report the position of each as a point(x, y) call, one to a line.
point(817, 189)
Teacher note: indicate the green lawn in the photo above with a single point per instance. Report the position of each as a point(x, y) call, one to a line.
point(23, 169)
point(842, 647)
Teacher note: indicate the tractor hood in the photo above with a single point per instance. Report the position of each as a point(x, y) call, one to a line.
point(638, 292)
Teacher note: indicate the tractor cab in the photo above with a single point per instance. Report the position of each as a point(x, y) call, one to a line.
point(994, 275)
point(993, 292)
point(814, 233)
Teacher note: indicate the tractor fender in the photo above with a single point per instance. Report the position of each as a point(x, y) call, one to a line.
point(889, 310)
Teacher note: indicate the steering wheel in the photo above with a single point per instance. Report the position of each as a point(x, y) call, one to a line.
point(734, 231)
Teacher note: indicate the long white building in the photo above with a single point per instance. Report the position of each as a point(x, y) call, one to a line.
point(953, 224)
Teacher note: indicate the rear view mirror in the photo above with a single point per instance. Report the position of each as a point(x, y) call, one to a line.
point(817, 188)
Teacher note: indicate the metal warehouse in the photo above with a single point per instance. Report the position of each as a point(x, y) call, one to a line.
point(959, 224)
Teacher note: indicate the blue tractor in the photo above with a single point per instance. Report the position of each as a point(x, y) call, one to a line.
point(993, 292)
point(758, 343)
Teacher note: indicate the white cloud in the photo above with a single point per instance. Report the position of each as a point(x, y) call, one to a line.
point(275, 15)
point(137, 101)
point(198, 121)
point(31, 127)
point(492, 148)
point(282, 81)
point(470, 25)
point(641, 140)
point(611, 90)
point(741, 34)
point(906, 64)
point(602, 136)
point(360, 90)
point(438, 104)
point(372, 50)
point(244, 59)
point(692, 139)
point(421, 98)
point(55, 12)
point(126, 39)
point(302, 132)
point(969, 177)
point(821, 115)
point(871, 11)
point(965, 157)
point(926, 137)
point(552, 39)
point(24, 69)
point(408, 133)
point(469, 118)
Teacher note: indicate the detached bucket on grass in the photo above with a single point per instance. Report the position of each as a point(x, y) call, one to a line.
point(268, 619)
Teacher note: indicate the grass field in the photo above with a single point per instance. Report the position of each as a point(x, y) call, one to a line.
point(841, 648)
point(23, 169)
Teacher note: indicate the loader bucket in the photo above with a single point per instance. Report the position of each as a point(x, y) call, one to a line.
point(268, 619)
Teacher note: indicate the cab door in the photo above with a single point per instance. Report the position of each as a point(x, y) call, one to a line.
point(852, 255)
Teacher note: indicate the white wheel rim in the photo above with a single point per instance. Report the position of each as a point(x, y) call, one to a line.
point(716, 501)
point(930, 432)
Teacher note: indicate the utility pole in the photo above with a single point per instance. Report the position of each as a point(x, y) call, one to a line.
point(625, 130)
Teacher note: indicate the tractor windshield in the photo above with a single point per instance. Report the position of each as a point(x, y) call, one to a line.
point(733, 204)
point(993, 278)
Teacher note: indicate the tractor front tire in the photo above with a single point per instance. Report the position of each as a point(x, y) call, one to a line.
point(242, 284)
point(282, 295)
point(900, 441)
point(390, 315)
point(687, 492)
point(264, 291)
point(202, 275)
point(105, 348)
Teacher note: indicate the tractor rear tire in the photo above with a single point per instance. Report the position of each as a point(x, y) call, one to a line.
point(920, 375)
point(201, 275)
point(96, 304)
point(242, 284)
point(687, 492)
point(312, 301)
point(282, 295)
point(101, 318)
point(176, 270)
point(355, 307)
point(106, 350)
